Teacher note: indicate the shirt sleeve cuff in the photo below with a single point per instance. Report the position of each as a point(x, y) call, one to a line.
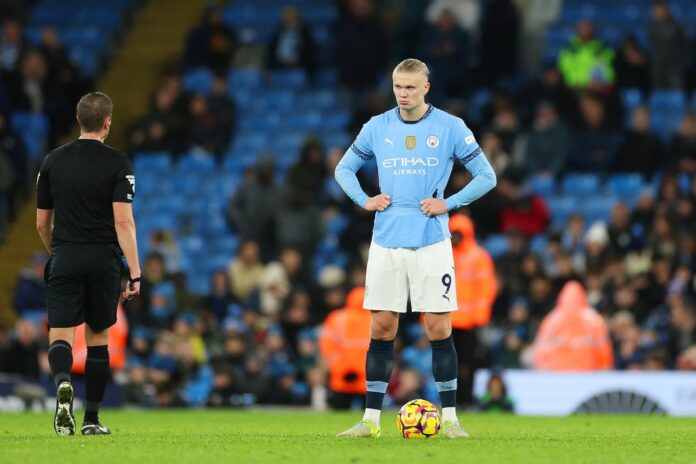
point(451, 204)
point(361, 199)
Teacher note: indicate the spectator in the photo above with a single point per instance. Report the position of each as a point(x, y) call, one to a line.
point(573, 336)
point(444, 47)
point(22, 356)
point(253, 208)
point(522, 209)
point(360, 46)
point(682, 149)
point(496, 399)
point(668, 46)
point(632, 66)
point(30, 293)
point(292, 44)
point(162, 242)
point(549, 87)
point(162, 128)
point(467, 13)
point(299, 223)
point(344, 341)
point(211, 44)
point(499, 36)
point(309, 172)
point(537, 15)
point(206, 130)
point(544, 148)
point(641, 150)
point(13, 148)
point(594, 141)
point(476, 290)
point(12, 45)
point(586, 61)
point(492, 146)
point(245, 271)
point(277, 281)
point(30, 88)
point(222, 106)
point(220, 297)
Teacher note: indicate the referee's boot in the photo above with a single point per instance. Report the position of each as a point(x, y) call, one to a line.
point(89, 428)
point(64, 420)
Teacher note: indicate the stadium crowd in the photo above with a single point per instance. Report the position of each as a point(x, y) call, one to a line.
point(257, 336)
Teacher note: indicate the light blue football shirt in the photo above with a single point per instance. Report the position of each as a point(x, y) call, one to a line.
point(414, 161)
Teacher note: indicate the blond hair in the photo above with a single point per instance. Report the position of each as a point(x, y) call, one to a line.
point(412, 65)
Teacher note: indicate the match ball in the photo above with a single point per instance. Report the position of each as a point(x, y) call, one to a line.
point(418, 419)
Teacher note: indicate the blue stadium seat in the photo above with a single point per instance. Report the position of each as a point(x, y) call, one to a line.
point(288, 79)
point(247, 78)
point(48, 15)
point(627, 187)
point(598, 208)
point(561, 207)
point(86, 60)
point(496, 245)
point(580, 184)
point(543, 185)
point(152, 161)
point(198, 81)
point(337, 224)
point(538, 244)
point(669, 100)
point(33, 128)
point(197, 162)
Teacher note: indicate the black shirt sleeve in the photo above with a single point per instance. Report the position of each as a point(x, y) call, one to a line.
point(43, 188)
point(124, 186)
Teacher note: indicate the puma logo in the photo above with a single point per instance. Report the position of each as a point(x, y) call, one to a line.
point(446, 297)
point(390, 142)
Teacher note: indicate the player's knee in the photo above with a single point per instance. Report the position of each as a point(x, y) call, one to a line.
point(438, 329)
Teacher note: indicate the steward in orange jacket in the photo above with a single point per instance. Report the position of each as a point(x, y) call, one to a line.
point(476, 291)
point(475, 276)
point(573, 336)
point(118, 339)
point(344, 341)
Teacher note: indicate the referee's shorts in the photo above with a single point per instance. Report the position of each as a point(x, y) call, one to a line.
point(83, 285)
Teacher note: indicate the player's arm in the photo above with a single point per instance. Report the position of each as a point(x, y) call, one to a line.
point(124, 222)
point(44, 206)
point(484, 179)
point(44, 226)
point(355, 158)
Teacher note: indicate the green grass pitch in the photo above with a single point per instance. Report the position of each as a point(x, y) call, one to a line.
point(297, 436)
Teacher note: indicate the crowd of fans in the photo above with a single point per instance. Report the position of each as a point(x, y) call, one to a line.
point(254, 338)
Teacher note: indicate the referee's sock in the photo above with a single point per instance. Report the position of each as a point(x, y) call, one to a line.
point(379, 362)
point(445, 373)
point(60, 359)
point(96, 376)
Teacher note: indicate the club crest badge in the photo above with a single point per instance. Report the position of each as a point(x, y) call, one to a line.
point(411, 142)
point(432, 141)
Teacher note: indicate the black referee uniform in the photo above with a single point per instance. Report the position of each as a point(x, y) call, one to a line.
point(80, 181)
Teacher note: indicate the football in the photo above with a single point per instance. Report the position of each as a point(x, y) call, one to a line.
point(418, 419)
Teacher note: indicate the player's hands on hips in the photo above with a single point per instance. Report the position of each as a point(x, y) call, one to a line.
point(433, 206)
point(378, 202)
point(132, 290)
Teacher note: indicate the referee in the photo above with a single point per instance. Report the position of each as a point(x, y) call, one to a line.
point(85, 220)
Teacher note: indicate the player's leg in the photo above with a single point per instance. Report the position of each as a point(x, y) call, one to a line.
point(65, 292)
point(102, 295)
point(96, 378)
point(386, 294)
point(431, 273)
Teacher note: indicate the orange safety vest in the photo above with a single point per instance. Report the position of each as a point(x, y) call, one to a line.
point(475, 277)
point(118, 339)
point(573, 336)
point(344, 341)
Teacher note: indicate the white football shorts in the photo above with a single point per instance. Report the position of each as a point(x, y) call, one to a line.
point(426, 274)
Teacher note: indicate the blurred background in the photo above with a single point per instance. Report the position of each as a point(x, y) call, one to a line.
point(235, 115)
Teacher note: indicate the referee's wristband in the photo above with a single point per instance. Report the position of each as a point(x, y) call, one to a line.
point(132, 280)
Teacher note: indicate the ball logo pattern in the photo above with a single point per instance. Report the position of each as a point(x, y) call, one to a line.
point(418, 419)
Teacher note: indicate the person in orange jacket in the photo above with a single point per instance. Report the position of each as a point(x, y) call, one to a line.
point(573, 336)
point(344, 341)
point(476, 291)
